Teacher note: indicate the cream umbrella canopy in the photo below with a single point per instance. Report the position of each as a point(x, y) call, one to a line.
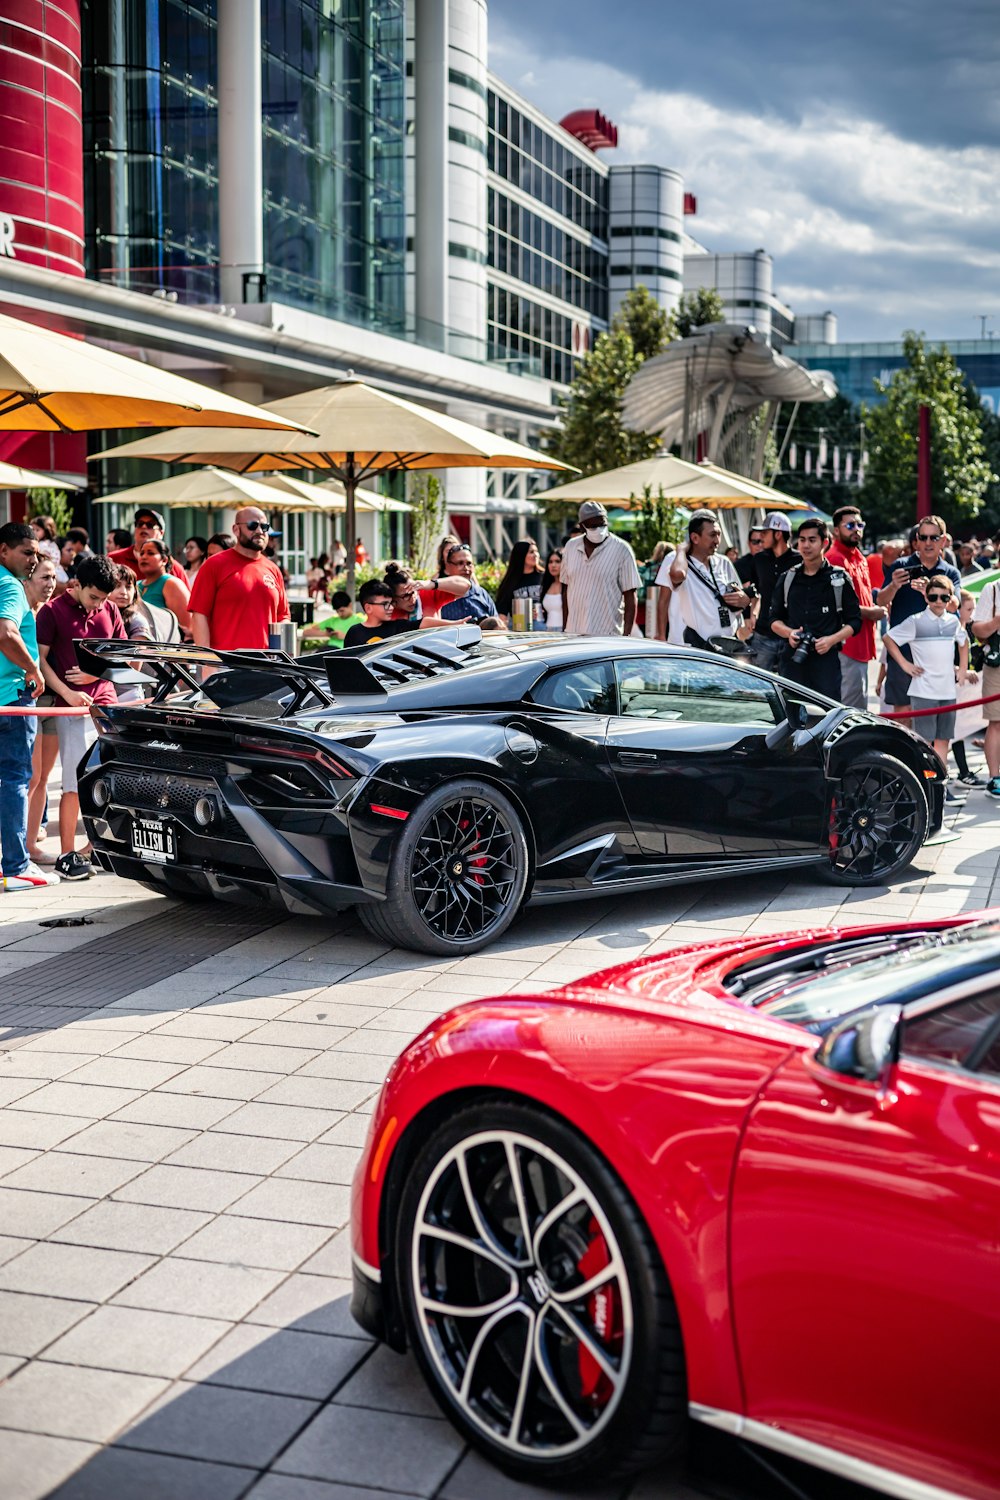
point(330, 494)
point(692, 484)
point(360, 431)
point(212, 489)
point(13, 477)
point(52, 383)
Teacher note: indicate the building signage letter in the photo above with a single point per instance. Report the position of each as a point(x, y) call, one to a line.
point(7, 246)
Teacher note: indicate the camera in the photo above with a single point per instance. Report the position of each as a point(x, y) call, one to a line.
point(752, 591)
point(807, 643)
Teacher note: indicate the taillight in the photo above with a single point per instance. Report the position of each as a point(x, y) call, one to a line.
point(316, 756)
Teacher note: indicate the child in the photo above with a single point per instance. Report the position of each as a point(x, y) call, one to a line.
point(332, 630)
point(933, 635)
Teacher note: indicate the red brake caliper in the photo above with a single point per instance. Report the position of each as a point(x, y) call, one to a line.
point(834, 836)
point(605, 1315)
point(475, 863)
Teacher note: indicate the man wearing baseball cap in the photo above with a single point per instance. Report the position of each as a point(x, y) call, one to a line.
point(599, 578)
point(773, 559)
point(855, 654)
point(147, 526)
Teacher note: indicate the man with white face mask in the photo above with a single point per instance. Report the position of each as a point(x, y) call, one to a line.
point(599, 578)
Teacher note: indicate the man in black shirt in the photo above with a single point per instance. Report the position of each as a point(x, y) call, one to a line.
point(375, 598)
point(744, 564)
point(773, 559)
point(808, 602)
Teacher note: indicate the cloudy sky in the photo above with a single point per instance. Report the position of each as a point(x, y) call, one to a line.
point(858, 143)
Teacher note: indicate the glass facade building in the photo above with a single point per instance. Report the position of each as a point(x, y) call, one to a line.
point(333, 128)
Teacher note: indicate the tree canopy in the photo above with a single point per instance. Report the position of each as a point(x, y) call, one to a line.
point(694, 310)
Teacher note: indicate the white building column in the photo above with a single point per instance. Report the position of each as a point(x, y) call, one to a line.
point(430, 239)
point(241, 171)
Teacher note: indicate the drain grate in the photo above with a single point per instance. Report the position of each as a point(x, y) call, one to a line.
point(57, 990)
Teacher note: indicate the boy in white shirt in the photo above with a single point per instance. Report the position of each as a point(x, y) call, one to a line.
point(933, 635)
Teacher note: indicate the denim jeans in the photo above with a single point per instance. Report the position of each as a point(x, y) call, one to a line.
point(17, 740)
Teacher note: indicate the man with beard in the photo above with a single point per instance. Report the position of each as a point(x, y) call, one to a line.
point(237, 594)
point(859, 650)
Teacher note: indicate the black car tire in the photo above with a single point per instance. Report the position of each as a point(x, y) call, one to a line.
point(644, 1420)
point(877, 821)
point(453, 900)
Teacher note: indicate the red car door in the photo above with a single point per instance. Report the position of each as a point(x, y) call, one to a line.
point(865, 1254)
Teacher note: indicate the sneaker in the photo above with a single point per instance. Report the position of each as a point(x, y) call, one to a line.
point(993, 787)
point(73, 867)
point(30, 879)
point(949, 795)
point(970, 779)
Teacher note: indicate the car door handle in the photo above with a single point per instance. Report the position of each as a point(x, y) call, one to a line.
point(637, 757)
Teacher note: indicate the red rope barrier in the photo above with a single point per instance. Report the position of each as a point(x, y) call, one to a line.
point(916, 713)
point(16, 711)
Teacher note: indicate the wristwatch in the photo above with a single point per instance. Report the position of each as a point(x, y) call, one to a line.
point(30, 684)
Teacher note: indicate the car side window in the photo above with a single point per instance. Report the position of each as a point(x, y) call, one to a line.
point(963, 1035)
point(581, 689)
point(687, 691)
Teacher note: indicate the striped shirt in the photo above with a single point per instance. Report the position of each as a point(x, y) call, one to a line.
point(595, 585)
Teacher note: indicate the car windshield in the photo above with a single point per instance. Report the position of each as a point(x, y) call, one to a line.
point(816, 986)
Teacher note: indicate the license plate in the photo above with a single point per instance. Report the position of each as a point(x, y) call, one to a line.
point(154, 841)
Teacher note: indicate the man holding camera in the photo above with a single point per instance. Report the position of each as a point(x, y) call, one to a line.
point(906, 591)
point(814, 610)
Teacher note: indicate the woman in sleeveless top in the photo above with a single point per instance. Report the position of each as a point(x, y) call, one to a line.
point(157, 585)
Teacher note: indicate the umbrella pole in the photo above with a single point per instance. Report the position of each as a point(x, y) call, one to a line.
point(350, 524)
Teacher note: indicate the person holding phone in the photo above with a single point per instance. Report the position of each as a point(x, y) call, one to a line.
point(905, 594)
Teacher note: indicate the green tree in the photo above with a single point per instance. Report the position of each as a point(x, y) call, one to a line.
point(648, 324)
point(427, 520)
point(52, 503)
point(694, 310)
point(657, 519)
point(839, 422)
point(593, 436)
point(960, 473)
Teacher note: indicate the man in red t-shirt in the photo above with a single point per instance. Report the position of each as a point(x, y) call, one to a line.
point(147, 527)
point(237, 594)
point(855, 654)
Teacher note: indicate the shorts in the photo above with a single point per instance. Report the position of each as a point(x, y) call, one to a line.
point(990, 684)
point(47, 725)
point(75, 738)
point(932, 726)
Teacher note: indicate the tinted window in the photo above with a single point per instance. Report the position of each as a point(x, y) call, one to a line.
point(589, 689)
point(694, 692)
point(956, 1034)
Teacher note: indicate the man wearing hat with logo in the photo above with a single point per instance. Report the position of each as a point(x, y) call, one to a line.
point(845, 552)
point(147, 527)
point(600, 580)
point(775, 557)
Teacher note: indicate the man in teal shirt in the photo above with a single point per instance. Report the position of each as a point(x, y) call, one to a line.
point(20, 684)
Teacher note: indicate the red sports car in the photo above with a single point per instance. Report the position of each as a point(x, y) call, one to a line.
point(753, 1182)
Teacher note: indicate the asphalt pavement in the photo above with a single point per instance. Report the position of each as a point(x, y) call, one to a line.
point(183, 1095)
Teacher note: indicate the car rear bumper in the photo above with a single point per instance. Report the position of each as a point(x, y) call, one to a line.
point(367, 1304)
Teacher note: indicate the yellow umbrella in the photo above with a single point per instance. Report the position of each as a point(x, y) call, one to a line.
point(52, 383)
point(360, 431)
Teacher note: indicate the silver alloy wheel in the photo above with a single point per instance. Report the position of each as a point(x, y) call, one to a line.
point(521, 1294)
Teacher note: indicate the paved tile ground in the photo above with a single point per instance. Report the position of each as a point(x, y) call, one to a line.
point(174, 1171)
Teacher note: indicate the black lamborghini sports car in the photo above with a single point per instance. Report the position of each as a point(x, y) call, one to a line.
point(440, 781)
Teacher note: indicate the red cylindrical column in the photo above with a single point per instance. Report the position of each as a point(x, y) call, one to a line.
point(41, 134)
point(924, 498)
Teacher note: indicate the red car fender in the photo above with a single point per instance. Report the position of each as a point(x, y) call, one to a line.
point(663, 1098)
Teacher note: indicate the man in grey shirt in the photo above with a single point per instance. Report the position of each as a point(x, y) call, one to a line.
point(599, 578)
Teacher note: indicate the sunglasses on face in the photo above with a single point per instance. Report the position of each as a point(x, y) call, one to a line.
point(256, 525)
point(928, 536)
point(854, 525)
point(937, 594)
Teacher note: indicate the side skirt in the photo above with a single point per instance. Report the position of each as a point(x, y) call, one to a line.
point(545, 891)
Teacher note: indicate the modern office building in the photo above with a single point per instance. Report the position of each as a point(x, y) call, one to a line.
point(856, 367)
point(745, 282)
point(647, 233)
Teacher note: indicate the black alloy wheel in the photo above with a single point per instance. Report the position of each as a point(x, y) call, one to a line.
point(458, 873)
point(878, 820)
point(535, 1300)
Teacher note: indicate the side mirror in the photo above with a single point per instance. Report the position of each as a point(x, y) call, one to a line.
point(798, 715)
point(863, 1046)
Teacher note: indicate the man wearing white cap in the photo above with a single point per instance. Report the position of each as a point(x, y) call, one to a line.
point(774, 558)
point(599, 578)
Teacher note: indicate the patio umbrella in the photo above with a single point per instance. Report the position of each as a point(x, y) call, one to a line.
point(330, 494)
point(360, 431)
point(13, 477)
point(702, 484)
point(212, 489)
point(52, 383)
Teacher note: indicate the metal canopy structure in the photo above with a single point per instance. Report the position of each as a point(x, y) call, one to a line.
point(714, 384)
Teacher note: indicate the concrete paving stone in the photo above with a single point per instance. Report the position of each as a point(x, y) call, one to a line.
point(352, 1130)
point(320, 1012)
point(187, 1187)
point(72, 1271)
point(334, 1258)
point(312, 1304)
point(28, 1323)
point(477, 1479)
point(426, 1000)
point(352, 1067)
point(293, 1487)
point(286, 1363)
point(69, 1401)
point(45, 1066)
point(322, 1164)
point(299, 1034)
point(387, 1381)
point(231, 968)
point(12, 1157)
point(349, 950)
point(259, 1007)
point(140, 1227)
point(379, 1449)
point(125, 1473)
point(201, 1288)
point(185, 1111)
point(317, 1093)
point(19, 1127)
point(295, 1202)
point(12, 1089)
point(380, 1043)
point(476, 985)
point(255, 1242)
point(124, 1072)
point(221, 1425)
point(32, 1216)
point(662, 1483)
point(262, 1058)
point(205, 1024)
point(11, 1245)
point(308, 972)
point(169, 1049)
point(8, 1364)
point(77, 1039)
point(33, 1465)
point(220, 1083)
point(76, 1099)
point(131, 1142)
point(491, 965)
point(234, 1153)
point(281, 1121)
point(65, 1172)
point(269, 989)
point(137, 1341)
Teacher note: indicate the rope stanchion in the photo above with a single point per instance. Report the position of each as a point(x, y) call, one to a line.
point(18, 711)
point(917, 713)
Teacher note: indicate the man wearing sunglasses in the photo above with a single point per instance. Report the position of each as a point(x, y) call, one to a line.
point(237, 594)
point(856, 653)
point(905, 594)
